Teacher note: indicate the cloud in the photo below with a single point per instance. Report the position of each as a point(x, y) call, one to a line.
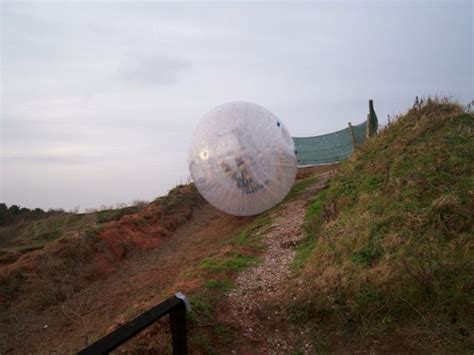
point(42, 159)
point(100, 111)
point(63, 154)
point(152, 71)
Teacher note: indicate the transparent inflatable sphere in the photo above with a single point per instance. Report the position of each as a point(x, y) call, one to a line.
point(242, 158)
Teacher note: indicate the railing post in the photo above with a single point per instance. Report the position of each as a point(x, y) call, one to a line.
point(176, 306)
point(178, 329)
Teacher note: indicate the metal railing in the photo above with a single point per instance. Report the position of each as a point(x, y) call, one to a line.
point(176, 306)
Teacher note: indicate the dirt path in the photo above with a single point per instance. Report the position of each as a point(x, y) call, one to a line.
point(145, 279)
point(141, 282)
point(253, 304)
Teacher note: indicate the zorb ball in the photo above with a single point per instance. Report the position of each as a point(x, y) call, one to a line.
point(242, 158)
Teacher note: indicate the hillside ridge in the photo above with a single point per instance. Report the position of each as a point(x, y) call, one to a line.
point(389, 253)
point(377, 257)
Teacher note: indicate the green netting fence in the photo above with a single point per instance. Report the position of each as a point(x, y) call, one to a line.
point(336, 146)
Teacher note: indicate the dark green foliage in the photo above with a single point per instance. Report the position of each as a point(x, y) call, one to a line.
point(16, 214)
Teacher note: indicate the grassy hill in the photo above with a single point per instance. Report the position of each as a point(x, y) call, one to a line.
point(388, 257)
point(385, 264)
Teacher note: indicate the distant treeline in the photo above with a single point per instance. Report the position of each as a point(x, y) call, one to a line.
point(16, 214)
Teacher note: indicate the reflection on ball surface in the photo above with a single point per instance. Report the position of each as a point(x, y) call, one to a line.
point(242, 158)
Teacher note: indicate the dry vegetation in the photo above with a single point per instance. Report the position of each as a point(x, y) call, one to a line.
point(34, 232)
point(388, 256)
point(81, 249)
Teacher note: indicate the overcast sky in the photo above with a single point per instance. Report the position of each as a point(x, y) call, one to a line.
point(99, 100)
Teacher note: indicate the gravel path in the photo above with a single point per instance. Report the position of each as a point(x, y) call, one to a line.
point(260, 288)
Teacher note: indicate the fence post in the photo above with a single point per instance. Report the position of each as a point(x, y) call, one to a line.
point(178, 329)
point(371, 119)
point(354, 143)
point(368, 126)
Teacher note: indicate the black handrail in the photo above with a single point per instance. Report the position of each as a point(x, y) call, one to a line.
point(176, 306)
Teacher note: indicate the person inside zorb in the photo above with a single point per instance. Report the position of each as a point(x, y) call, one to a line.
point(241, 173)
point(242, 176)
point(242, 158)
